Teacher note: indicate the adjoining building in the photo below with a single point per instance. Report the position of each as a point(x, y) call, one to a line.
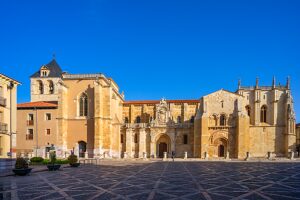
point(8, 113)
point(90, 116)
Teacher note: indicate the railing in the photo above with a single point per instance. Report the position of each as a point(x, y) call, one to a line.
point(3, 127)
point(78, 76)
point(30, 122)
point(2, 101)
point(29, 137)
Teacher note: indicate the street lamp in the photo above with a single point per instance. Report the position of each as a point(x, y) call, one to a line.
point(10, 86)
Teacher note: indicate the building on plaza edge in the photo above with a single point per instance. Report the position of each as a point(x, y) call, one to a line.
point(87, 113)
point(8, 112)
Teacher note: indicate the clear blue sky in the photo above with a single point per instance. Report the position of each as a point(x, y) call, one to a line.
point(153, 49)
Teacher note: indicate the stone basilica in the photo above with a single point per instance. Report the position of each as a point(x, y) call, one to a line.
point(87, 114)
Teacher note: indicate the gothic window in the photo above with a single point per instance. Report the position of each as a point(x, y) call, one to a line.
point(192, 119)
point(248, 109)
point(83, 105)
point(178, 119)
point(40, 87)
point(122, 138)
point(222, 120)
point(138, 119)
point(263, 114)
point(126, 120)
point(185, 139)
point(51, 87)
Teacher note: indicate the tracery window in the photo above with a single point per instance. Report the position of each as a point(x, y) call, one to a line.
point(222, 120)
point(83, 105)
point(178, 119)
point(248, 109)
point(138, 119)
point(263, 114)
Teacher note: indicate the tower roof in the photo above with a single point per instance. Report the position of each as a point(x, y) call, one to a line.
point(53, 67)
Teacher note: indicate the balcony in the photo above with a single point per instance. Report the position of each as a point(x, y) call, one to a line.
point(29, 137)
point(3, 128)
point(2, 101)
point(30, 122)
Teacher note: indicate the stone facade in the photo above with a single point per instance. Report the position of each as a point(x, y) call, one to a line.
point(94, 120)
point(8, 112)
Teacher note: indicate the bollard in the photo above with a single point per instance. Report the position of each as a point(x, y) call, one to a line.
point(269, 155)
point(165, 156)
point(125, 155)
point(247, 155)
point(144, 155)
point(86, 155)
point(185, 155)
point(292, 155)
point(227, 155)
point(205, 155)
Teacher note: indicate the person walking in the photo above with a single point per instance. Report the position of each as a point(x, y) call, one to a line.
point(173, 155)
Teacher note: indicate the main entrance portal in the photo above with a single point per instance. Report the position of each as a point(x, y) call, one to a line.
point(162, 147)
point(163, 144)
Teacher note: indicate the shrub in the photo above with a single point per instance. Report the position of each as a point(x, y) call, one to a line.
point(21, 163)
point(36, 159)
point(46, 162)
point(59, 161)
point(73, 159)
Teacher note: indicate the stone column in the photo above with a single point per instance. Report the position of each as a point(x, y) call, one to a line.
point(142, 142)
point(129, 142)
point(152, 146)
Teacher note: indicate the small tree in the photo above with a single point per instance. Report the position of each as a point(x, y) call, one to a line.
point(72, 159)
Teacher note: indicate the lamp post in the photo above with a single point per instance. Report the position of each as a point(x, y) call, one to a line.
point(10, 86)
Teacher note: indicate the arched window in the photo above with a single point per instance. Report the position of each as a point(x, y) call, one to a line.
point(135, 138)
point(263, 114)
point(51, 87)
point(192, 119)
point(178, 119)
point(185, 139)
point(83, 105)
point(126, 120)
point(122, 138)
point(222, 120)
point(248, 109)
point(41, 87)
point(138, 119)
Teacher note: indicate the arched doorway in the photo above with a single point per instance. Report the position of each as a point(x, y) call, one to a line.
point(82, 148)
point(163, 144)
point(220, 147)
point(221, 150)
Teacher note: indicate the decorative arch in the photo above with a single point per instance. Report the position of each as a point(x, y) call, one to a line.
point(83, 105)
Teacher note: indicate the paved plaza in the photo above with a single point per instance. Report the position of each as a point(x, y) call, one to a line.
point(159, 180)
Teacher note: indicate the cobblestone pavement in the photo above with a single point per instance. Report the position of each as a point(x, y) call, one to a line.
point(160, 180)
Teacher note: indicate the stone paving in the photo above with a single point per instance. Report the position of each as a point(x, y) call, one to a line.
point(160, 180)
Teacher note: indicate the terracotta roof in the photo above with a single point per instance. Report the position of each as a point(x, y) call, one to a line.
point(157, 101)
point(38, 104)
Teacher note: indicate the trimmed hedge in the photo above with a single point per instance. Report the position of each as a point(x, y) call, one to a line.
point(36, 159)
point(58, 161)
